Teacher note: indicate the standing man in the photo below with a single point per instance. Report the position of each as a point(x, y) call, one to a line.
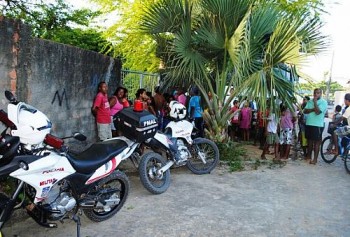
point(102, 112)
point(315, 110)
point(195, 110)
point(159, 105)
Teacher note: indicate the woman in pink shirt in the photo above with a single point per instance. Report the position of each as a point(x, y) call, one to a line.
point(181, 98)
point(117, 102)
point(245, 120)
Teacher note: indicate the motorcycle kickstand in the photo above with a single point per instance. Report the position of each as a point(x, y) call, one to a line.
point(76, 219)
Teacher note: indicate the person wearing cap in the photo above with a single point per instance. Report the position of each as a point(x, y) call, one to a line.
point(346, 121)
point(315, 110)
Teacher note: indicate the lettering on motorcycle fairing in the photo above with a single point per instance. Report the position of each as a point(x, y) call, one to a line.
point(181, 131)
point(53, 170)
point(49, 181)
point(149, 122)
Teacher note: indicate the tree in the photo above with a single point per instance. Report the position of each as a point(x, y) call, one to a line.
point(334, 86)
point(254, 46)
point(57, 21)
point(138, 50)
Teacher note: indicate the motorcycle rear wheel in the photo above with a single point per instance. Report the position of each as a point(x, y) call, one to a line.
point(117, 180)
point(209, 151)
point(150, 163)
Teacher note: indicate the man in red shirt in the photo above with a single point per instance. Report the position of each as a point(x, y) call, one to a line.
point(101, 110)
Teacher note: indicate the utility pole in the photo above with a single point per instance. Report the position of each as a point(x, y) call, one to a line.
point(329, 78)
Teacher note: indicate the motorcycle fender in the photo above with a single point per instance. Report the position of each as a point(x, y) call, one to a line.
point(198, 139)
point(104, 170)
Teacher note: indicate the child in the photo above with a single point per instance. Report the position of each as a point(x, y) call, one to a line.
point(332, 126)
point(234, 121)
point(271, 137)
point(337, 117)
point(301, 123)
point(286, 131)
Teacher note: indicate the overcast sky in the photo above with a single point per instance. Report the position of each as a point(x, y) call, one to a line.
point(338, 28)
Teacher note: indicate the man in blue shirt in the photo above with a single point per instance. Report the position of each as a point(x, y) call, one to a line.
point(315, 110)
point(195, 110)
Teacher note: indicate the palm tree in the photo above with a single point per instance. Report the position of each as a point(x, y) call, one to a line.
point(251, 45)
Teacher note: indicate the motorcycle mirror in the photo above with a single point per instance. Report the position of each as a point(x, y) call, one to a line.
point(10, 96)
point(79, 136)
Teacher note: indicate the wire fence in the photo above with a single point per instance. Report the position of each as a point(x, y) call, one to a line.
point(134, 80)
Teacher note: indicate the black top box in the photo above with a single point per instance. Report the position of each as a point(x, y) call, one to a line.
point(136, 126)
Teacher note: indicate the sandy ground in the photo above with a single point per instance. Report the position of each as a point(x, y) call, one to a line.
point(298, 199)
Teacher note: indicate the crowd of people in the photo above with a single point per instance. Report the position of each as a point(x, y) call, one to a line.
point(105, 107)
point(303, 124)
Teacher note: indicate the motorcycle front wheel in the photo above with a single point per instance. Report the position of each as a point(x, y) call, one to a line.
point(111, 193)
point(205, 156)
point(153, 181)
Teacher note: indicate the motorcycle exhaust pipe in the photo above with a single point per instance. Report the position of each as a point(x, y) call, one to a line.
point(165, 167)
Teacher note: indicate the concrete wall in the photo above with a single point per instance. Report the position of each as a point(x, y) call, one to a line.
point(59, 80)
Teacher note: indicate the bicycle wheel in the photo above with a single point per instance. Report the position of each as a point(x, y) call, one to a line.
point(347, 161)
point(326, 148)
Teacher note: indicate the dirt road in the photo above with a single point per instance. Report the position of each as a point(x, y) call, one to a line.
point(296, 200)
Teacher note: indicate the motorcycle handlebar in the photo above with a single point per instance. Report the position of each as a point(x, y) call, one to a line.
point(11, 97)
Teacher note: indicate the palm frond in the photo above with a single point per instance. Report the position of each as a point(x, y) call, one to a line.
point(164, 16)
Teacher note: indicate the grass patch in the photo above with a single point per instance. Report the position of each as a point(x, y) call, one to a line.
point(233, 154)
point(7, 185)
point(130, 207)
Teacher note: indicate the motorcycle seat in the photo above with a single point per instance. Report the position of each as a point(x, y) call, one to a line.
point(96, 155)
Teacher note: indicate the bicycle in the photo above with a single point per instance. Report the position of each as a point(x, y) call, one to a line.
point(343, 147)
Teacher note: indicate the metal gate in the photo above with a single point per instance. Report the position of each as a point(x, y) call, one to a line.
point(134, 80)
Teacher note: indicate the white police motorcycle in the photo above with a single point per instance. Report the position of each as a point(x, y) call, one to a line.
point(50, 181)
point(200, 155)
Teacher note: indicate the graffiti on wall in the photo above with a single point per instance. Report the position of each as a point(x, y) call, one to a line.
point(60, 97)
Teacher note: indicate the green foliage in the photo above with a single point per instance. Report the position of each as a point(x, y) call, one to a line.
point(137, 50)
point(314, 7)
point(233, 155)
point(7, 185)
point(89, 39)
point(334, 86)
point(254, 46)
point(57, 21)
